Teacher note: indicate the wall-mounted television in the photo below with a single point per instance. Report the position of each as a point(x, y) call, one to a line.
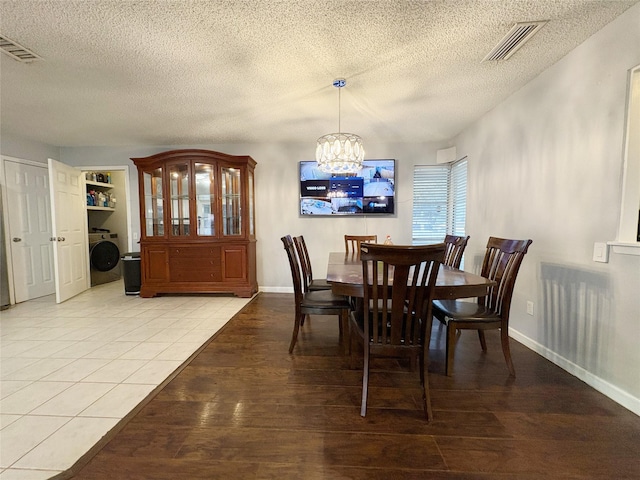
point(371, 191)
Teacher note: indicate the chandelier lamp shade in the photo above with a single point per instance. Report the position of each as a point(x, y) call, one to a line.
point(339, 152)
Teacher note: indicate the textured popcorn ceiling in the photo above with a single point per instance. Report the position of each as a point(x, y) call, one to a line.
point(200, 72)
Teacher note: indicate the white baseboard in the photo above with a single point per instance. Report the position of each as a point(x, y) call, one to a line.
point(616, 394)
point(276, 289)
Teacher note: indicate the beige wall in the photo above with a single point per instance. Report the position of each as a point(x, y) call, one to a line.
point(17, 147)
point(546, 164)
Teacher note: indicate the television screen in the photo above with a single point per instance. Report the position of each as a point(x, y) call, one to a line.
point(371, 191)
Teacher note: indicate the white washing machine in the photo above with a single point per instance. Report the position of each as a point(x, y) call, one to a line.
point(104, 256)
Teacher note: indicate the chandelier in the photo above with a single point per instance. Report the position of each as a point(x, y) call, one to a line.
point(339, 152)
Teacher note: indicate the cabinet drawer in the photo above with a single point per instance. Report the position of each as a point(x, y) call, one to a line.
point(198, 252)
point(195, 275)
point(195, 264)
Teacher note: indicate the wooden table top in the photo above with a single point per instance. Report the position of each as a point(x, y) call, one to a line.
point(344, 272)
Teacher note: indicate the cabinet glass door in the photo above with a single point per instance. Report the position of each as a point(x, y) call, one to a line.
point(230, 197)
point(153, 203)
point(205, 198)
point(179, 191)
point(251, 214)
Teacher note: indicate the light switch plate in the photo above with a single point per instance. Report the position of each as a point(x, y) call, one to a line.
point(600, 252)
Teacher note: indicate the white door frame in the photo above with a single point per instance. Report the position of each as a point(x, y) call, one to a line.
point(127, 188)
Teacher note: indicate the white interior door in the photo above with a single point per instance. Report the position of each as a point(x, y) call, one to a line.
point(71, 247)
point(29, 230)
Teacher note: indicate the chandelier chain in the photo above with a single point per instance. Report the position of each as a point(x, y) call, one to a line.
point(339, 109)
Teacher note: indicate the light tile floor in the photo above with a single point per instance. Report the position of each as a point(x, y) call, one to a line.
point(69, 372)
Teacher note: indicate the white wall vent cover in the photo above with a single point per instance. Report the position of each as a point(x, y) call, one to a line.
point(17, 51)
point(517, 36)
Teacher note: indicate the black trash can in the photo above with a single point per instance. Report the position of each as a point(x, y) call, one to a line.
point(131, 272)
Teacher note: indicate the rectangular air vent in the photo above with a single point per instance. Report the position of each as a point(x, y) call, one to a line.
point(17, 51)
point(517, 36)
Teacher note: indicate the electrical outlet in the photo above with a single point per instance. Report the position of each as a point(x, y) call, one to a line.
point(529, 307)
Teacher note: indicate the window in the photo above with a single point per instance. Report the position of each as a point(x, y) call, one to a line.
point(629, 227)
point(439, 201)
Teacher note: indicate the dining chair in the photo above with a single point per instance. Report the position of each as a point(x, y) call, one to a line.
point(309, 283)
point(352, 242)
point(320, 302)
point(455, 248)
point(501, 263)
point(395, 319)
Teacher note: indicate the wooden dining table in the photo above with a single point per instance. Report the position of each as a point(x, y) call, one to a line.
point(344, 272)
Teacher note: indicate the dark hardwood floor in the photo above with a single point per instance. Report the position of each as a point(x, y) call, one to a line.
point(246, 409)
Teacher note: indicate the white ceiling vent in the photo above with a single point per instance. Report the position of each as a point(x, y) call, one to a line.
point(17, 51)
point(517, 36)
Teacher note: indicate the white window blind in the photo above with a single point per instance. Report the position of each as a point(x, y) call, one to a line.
point(458, 197)
point(439, 201)
point(430, 192)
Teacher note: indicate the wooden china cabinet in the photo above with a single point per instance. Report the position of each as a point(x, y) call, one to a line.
point(197, 216)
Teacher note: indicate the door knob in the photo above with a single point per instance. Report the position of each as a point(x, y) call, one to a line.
point(16, 239)
point(60, 239)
